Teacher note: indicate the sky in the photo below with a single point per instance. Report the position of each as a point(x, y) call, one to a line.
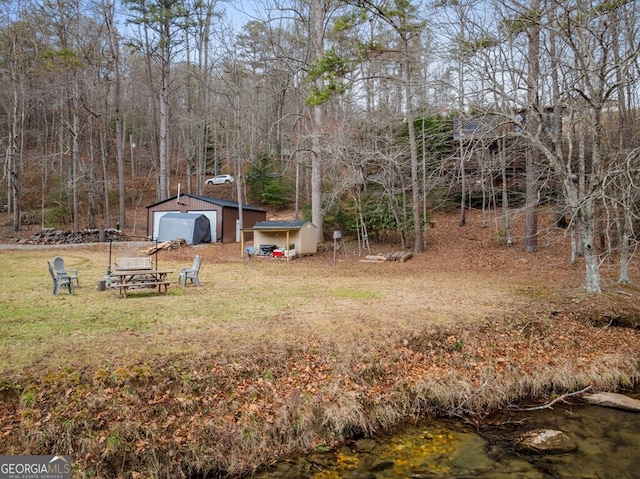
point(240, 12)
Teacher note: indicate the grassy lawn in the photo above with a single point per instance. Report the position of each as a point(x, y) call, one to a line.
point(273, 357)
point(265, 301)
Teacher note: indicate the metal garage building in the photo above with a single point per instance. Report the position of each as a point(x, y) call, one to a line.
point(223, 215)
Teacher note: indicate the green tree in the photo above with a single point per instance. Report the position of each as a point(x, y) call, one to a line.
point(273, 195)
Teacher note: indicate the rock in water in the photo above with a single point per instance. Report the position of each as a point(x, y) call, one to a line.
point(614, 400)
point(545, 441)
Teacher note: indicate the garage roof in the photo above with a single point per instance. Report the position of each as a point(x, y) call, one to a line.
point(213, 201)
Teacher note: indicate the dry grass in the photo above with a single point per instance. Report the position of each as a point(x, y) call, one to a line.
point(281, 357)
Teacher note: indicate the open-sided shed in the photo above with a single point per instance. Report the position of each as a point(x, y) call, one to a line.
point(298, 235)
point(223, 215)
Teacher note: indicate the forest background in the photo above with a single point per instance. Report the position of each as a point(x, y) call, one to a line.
point(362, 115)
point(368, 117)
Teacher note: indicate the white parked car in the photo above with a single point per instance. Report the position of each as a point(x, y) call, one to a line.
point(220, 180)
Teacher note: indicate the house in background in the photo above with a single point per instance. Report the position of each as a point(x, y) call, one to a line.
point(293, 238)
point(223, 215)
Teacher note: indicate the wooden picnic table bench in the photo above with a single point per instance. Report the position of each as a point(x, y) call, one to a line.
point(137, 279)
point(129, 264)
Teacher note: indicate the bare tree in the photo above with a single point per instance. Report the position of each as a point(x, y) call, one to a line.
point(114, 47)
point(163, 24)
point(14, 42)
point(533, 118)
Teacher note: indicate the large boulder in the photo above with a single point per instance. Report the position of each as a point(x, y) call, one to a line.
point(614, 400)
point(545, 441)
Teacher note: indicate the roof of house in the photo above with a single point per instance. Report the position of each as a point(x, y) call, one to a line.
point(213, 201)
point(280, 225)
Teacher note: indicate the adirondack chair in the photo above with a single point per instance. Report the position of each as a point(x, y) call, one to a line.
point(60, 279)
point(58, 266)
point(191, 273)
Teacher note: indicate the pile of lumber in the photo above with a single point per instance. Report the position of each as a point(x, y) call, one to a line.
point(167, 245)
point(401, 256)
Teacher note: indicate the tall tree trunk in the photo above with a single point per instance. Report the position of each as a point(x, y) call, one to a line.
point(624, 200)
point(461, 122)
point(114, 46)
point(90, 178)
point(534, 112)
point(463, 184)
point(75, 151)
point(154, 96)
point(13, 182)
point(413, 147)
point(317, 121)
point(104, 159)
point(164, 118)
point(593, 280)
point(506, 224)
point(556, 136)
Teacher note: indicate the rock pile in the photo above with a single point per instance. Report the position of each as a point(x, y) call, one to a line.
point(53, 236)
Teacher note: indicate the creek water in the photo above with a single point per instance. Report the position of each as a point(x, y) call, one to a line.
point(608, 443)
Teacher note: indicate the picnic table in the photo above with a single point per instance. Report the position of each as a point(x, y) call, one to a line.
point(142, 278)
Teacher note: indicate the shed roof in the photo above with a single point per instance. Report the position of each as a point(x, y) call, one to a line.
point(213, 201)
point(280, 225)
